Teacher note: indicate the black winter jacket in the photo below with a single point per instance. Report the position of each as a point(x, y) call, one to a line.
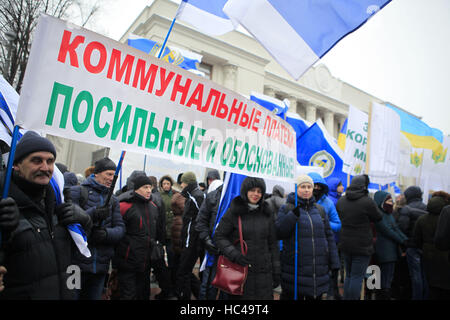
point(356, 211)
point(140, 217)
point(409, 214)
point(38, 251)
point(194, 199)
point(101, 254)
point(258, 231)
point(206, 217)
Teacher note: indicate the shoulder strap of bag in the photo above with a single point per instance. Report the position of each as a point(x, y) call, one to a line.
point(84, 195)
point(241, 238)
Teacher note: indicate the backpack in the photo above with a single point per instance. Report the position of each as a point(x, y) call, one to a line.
point(84, 196)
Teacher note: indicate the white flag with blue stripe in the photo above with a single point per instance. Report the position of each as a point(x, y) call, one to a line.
point(206, 16)
point(270, 103)
point(297, 33)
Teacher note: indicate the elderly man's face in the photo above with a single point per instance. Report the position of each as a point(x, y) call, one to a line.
point(37, 167)
point(105, 177)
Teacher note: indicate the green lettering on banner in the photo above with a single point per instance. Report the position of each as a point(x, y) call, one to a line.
point(138, 114)
point(228, 143)
point(250, 165)
point(241, 164)
point(152, 132)
point(66, 91)
point(196, 143)
point(360, 155)
point(263, 162)
point(121, 122)
point(167, 135)
point(179, 139)
point(211, 152)
point(188, 144)
point(234, 157)
point(85, 96)
point(99, 131)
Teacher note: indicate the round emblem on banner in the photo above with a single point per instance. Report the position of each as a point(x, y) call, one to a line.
point(325, 160)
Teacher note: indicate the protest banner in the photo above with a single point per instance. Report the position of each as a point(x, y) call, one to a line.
point(356, 142)
point(86, 87)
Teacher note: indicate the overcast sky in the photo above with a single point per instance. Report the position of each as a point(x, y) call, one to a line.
point(401, 55)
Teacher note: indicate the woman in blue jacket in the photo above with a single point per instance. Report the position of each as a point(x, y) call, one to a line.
point(389, 238)
point(316, 254)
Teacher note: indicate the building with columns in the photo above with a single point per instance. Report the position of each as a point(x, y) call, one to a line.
point(238, 62)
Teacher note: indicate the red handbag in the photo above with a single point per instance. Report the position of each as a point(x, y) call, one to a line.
point(230, 277)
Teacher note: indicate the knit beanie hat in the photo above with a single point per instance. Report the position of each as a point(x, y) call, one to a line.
point(32, 142)
point(304, 178)
point(140, 181)
point(104, 164)
point(188, 177)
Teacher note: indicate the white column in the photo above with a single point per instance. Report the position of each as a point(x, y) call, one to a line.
point(269, 91)
point(310, 112)
point(292, 104)
point(329, 122)
point(230, 74)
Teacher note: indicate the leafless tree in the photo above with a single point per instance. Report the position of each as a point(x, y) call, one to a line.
point(18, 18)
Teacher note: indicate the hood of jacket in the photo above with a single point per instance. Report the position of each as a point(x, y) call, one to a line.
point(380, 198)
point(317, 179)
point(358, 187)
point(278, 191)
point(412, 194)
point(214, 185)
point(250, 183)
point(438, 201)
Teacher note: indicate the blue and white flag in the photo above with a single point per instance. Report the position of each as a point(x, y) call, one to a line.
point(9, 100)
point(270, 103)
point(231, 189)
point(206, 16)
point(300, 125)
point(185, 59)
point(316, 148)
point(299, 33)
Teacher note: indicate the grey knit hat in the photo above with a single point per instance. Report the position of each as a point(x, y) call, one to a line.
point(304, 178)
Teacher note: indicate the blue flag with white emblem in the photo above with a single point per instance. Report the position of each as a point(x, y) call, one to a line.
point(316, 147)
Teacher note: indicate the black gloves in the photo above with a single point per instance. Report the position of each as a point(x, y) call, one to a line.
point(9, 215)
point(98, 236)
point(69, 213)
point(242, 260)
point(210, 247)
point(100, 214)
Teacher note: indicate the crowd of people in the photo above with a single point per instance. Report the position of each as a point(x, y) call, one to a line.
point(302, 245)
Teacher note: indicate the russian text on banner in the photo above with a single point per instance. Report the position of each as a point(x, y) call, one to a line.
point(86, 87)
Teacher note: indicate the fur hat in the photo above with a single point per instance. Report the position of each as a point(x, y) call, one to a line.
point(32, 142)
point(304, 178)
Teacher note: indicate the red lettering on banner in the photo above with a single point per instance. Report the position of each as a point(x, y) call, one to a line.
point(140, 75)
point(114, 64)
point(95, 45)
point(68, 47)
point(165, 81)
point(196, 97)
point(177, 87)
point(256, 121)
point(222, 111)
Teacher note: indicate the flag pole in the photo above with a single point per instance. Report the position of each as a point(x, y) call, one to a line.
point(162, 49)
point(296, 248)
point(368, 140)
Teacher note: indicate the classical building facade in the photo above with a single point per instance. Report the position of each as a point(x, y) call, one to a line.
point(238, 62)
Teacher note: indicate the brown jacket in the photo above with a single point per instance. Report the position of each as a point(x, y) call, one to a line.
point(177, 223)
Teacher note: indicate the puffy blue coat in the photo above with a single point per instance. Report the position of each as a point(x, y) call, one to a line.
point(317, 252)
point(327, 204)
point(332, 192)
point(101, 254)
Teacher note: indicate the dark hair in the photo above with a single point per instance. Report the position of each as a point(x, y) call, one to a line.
point(164, 178)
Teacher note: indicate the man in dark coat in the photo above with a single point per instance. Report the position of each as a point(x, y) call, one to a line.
point(108, 228)
point(408, 215)
point(36, 244)
point(205, 225)
point(132, 256)
point(192, 247)
point(435, 261)
point(356, 211)
point(442, 236)
point(258, 230)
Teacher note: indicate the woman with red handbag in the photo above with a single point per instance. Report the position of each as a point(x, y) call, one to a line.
point(258, 233)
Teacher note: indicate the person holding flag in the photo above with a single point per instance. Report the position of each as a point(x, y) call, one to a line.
point(36, 244)
point(108, 229)
point(309, 249)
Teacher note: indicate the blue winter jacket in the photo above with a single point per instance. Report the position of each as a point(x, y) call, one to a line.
point(101, 254)
point(332, 192)
point(327, 204)
point(317, 252)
